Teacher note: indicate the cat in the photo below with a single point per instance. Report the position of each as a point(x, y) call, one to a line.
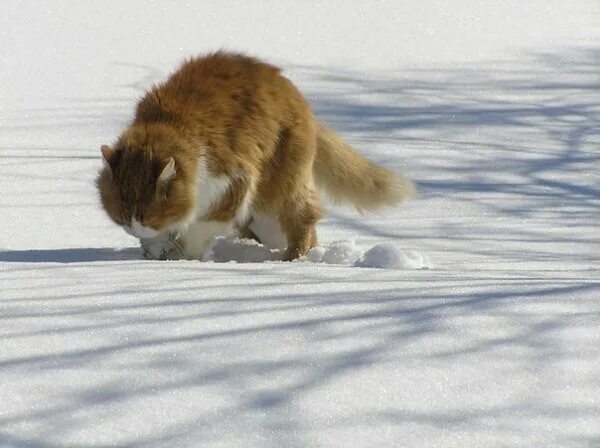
point(225, 144)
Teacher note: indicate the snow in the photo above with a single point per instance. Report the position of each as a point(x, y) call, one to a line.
point(383, 255)
point(482, 329)
point(338, 252)
point(241, 251)
point(388, 255)
point(344, 252)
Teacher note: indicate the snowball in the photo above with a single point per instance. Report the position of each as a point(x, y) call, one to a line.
point(315, 255)
point(341, 252)
point(389, 256)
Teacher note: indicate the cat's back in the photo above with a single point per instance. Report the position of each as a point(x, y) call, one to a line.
point(222, 89)
point(228, 103)
point(222, 76)
point(222, 66)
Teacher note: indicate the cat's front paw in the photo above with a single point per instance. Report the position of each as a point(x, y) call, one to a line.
point(153, 251)
point(162, 250)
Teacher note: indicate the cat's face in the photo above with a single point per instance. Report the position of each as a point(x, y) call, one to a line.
point(144, 194)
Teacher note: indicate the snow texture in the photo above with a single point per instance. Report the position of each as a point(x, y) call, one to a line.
point(481, 329)
point(344, 252)
point(338, 252)
point(241, 251)
point(387, 255)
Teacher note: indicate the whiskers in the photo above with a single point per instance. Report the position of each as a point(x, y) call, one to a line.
point(177, 245)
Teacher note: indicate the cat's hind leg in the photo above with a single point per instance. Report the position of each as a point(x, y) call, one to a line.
point(299, 208)
point(298, 221)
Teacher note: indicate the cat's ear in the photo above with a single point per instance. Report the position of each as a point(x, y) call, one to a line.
point(168, 172)
point(108, 157)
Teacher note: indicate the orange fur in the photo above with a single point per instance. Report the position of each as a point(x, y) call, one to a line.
point(255, 134)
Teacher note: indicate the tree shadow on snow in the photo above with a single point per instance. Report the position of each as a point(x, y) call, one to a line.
point(227, 339)
point(538, 122)
point(78, 255)
point(516, 139)
point(331, 336)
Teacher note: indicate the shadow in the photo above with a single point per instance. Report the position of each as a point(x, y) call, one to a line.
point(522, 103)
point(78, 255)
point(213, 352)
point(514, 140)
point(152, 345)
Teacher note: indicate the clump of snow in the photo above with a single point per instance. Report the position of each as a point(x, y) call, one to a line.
point(389, 256)
point(315, 255)
point(338, 252)
point(343, 252)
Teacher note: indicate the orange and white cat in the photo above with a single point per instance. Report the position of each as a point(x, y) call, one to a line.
point(227, 143)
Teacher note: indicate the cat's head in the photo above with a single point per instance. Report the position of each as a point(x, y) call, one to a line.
point(145, 186)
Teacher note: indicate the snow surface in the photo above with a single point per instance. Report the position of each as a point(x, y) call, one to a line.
point(492, 107)
point(387, 255)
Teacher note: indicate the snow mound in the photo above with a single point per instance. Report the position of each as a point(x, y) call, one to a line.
point(386, 255)
point(389, 256)
point(338, 252)
point(343, 252)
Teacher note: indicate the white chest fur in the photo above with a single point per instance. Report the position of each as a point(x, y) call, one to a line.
point(209, 189)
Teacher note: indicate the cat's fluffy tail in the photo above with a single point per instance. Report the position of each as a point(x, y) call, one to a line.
point(346, 176)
